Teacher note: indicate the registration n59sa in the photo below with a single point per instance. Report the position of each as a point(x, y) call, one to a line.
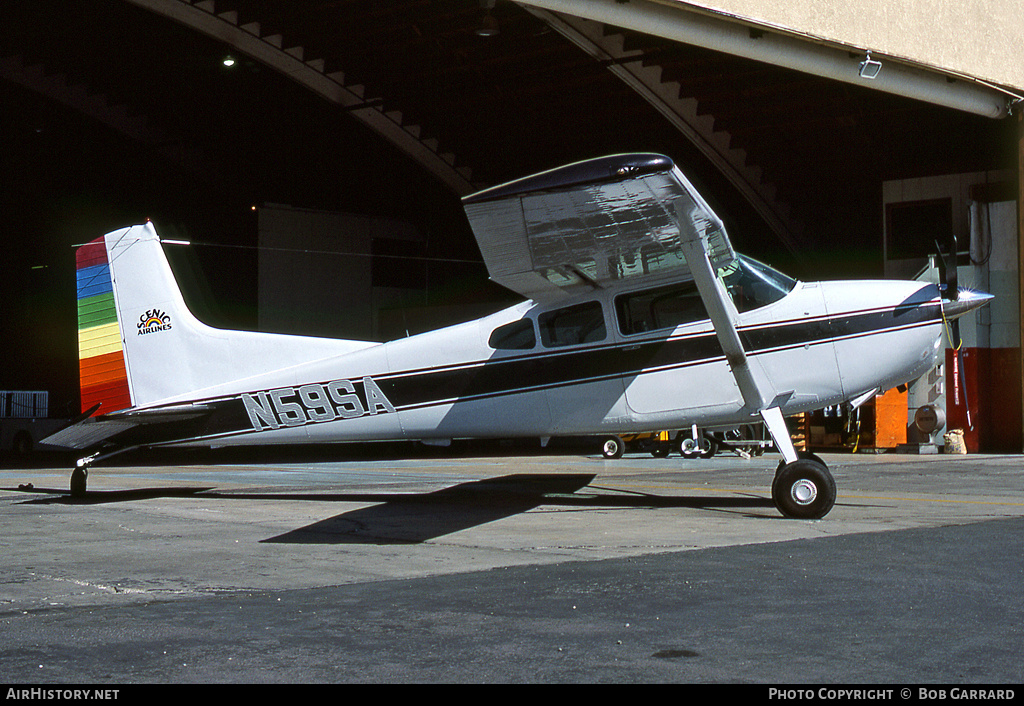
point(315, 403)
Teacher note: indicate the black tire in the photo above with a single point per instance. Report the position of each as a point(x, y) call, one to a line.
point(661, 450)
point(613, 447)
point(687, 446)
point(79, 479)
point(804, 490)
point(708, 446)
point(803, 456)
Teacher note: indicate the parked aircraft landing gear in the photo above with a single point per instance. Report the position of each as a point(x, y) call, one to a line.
point(705, 446)
point(613, 447)
point(804, 489)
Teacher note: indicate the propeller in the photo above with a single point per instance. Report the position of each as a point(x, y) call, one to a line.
point(955, 303)
point(948, 284)
point(950, 290)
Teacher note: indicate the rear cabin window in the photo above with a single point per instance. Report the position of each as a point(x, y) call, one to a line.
point(582, 323)
point(665, 307)
point(516, 336)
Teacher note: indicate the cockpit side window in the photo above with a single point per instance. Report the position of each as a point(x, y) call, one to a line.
point(572, 325)
point(518, 336)
point(753, 284)
point(661, 308)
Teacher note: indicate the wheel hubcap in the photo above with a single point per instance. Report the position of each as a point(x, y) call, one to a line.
point(804, 492)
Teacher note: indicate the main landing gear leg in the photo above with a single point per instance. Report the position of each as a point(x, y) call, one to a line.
point(803, 487)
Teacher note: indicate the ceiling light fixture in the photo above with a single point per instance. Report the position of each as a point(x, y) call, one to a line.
point(489, 25)
point(228, 61)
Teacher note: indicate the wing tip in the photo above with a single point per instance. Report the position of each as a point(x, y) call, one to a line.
point(591, 171)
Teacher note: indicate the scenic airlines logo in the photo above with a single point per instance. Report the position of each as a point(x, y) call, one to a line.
point(152, 321)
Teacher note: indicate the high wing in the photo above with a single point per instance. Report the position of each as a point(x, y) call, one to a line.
point(630, 217)
point(592, 224)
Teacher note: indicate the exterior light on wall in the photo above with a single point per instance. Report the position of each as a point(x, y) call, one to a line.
point(869, 68)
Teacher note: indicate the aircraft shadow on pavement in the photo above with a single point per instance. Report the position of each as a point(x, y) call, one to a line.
point(413, 518)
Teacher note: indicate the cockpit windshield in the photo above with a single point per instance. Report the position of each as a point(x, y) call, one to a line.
point(753, 284)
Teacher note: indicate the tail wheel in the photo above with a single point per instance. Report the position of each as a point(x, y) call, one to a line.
point(804, 490)
point(613, 447)
point(79, 479)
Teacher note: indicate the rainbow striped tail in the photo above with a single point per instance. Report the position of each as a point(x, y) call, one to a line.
point(102, 370)
point(139, 345)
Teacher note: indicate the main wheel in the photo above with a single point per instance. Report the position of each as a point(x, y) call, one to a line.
point(79, 478)
point(708, 446)
point(613, 447)
point(804, 490)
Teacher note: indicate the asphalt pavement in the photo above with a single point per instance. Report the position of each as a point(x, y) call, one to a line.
point(374, 566)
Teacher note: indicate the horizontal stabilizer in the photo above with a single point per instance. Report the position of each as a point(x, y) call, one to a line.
point(87, 434)
point(94, 430)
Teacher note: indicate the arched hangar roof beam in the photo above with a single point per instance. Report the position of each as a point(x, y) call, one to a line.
point(683, 114)
point(290, 60)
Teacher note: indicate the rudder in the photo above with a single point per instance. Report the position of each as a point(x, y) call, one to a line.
point(101, 365)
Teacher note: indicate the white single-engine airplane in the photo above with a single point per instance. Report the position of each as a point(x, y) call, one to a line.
point(639, 317)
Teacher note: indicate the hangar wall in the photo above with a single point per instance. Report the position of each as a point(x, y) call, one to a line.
point(330, 274)
point(980, 209)
point(344, 275)
point(978, 38)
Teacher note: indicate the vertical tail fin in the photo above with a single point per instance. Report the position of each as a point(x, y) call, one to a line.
point(102, 370)
point(139, 344)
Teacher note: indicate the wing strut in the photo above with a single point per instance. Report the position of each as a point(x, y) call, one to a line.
point(759, 397)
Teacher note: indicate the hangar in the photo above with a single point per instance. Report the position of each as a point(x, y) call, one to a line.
point(314, 153)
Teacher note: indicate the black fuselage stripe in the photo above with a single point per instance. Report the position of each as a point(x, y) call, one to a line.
point(430, 387)
point(426, 387)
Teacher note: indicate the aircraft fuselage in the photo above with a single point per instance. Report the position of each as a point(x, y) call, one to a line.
point(821, 344)
point(639, 316)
